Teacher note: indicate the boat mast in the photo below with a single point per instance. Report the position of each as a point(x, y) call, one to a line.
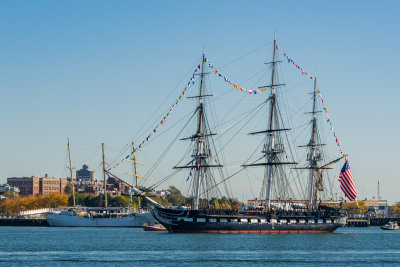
point(313, 157)
point(271, 145)
point(198, 157)
point(201, 149)
point(104, 174)
point(135, 169)
point(72, 177)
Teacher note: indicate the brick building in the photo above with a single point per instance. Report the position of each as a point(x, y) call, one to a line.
point(26, 185)
point(116, 187)
point(48, 185)
point(38, 186)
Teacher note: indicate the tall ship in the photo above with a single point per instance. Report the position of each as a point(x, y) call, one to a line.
point(277, 212)
point(78, 216)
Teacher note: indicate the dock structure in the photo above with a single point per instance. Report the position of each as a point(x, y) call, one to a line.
point(23, 222)
point(383, 221)
point(358, 222)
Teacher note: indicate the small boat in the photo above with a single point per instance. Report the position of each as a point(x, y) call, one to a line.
point(155, 227)
point(390, 226)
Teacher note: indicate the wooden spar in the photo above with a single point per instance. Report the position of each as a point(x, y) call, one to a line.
point(72, 177)
point(105, 182)
point(119, 179)
point(135, 147)
point(135, 169)
point(137, 176)
point(131, 161)
point(136, 190)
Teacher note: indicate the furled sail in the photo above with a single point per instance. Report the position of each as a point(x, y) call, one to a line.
point(319, 182)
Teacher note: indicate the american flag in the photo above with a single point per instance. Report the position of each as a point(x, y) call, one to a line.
point(346, 182)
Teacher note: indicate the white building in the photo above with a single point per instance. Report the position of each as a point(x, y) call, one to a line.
point(8, 188)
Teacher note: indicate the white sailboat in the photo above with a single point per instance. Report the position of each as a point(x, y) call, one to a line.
point(99, 216)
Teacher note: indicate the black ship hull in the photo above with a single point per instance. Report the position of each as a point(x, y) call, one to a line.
point(190, 221)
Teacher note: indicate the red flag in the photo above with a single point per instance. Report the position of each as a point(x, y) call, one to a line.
point(198, 66)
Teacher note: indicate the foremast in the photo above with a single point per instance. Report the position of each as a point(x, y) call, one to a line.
point(201, 154)
point(314, 155)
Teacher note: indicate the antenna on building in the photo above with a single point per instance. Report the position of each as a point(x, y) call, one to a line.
point(379, 192)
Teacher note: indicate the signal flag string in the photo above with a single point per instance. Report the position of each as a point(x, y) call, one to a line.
point(162, 122)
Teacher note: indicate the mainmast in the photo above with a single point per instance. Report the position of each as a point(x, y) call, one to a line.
point(272, 146)
point(72, 177)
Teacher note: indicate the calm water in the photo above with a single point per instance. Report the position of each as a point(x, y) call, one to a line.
point(120, 246)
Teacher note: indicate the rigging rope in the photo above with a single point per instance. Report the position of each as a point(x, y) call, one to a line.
point(191, 82)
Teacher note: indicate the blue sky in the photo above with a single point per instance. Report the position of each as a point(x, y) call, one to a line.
point(96, 71)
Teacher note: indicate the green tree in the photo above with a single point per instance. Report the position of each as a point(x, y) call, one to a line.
point(118, 202)
point(354, 208)
point(173, 190)
point(175, 196)
point(68, 189)
point(18, 204)
point(395, 209)
point(9, 194)
point(145, 189)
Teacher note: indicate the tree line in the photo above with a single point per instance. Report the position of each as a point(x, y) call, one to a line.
point(174, 197)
